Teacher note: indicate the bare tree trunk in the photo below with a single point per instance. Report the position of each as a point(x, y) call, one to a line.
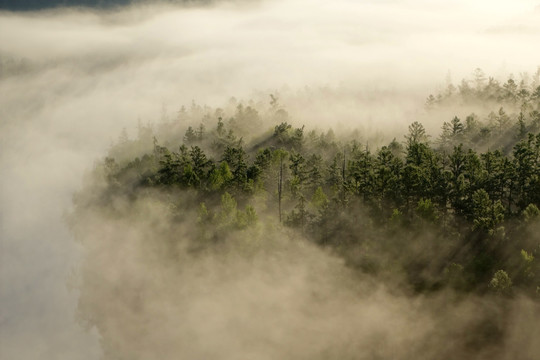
point(280, 183)
point(343, 180)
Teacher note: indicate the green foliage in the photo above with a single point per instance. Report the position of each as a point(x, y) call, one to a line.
point(501, 283)
point(227, 214)
point(247, 218)
point(203, 217)
point(486, 213)
point(452, 133)
point(480, 205)
point(190, 136)
point(235, 158)
point(527, 263)
point(229, 217)
point(417, 134)
point(319, 199)
point(427, 211)
point(396, 220)
point(531, 213)
point(251, 215)
point(220, 177)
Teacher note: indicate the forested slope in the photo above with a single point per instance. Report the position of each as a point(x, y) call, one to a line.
point(455, 212)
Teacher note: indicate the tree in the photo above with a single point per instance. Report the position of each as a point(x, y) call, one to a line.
point(299, 216)
point(457, 176)
point(314, 171)
point(510, 91)
point(362, 172)
point(220, 129)
point(387, 171)
point(521, 127)
point(200, 132)
point(501, 283)
point(493, 179)
point(246, 218)
point(417, 134)
point(452, 133)
point(280, 155)
point(298, 173)
point(487, 215)
point(220, 177)
point(227, 213)
point(421, 174)
point(281, 133)
point(431, 101)
point(235, 157)
point(319, 199)
point(189, 177)
point(479, 79)
point(190, 136)
point(426, 211)
point(200, 163)
point(526, 156)
point(531, 213)
point(502, 121)
point(169, 167)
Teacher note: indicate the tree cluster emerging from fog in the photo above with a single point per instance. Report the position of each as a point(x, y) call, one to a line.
point(454, 213)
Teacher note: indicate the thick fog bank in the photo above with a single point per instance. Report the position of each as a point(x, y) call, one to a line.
point(155, 290)
point(71, 79)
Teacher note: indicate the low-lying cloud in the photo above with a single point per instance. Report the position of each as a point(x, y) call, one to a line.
point(266, 293)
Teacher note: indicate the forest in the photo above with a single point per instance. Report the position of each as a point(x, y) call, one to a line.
point(454, 214)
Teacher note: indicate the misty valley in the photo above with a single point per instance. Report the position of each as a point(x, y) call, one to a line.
point(236, 232)
point(269, 179)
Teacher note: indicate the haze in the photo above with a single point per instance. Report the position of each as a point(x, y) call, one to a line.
point(72, 79)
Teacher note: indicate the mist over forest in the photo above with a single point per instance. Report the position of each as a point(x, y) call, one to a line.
point(270, 179)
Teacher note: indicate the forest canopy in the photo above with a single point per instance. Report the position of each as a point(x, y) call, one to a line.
point(457, 212)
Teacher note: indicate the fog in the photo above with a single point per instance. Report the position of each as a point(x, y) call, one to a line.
point(72, 79)
point(266, 294)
